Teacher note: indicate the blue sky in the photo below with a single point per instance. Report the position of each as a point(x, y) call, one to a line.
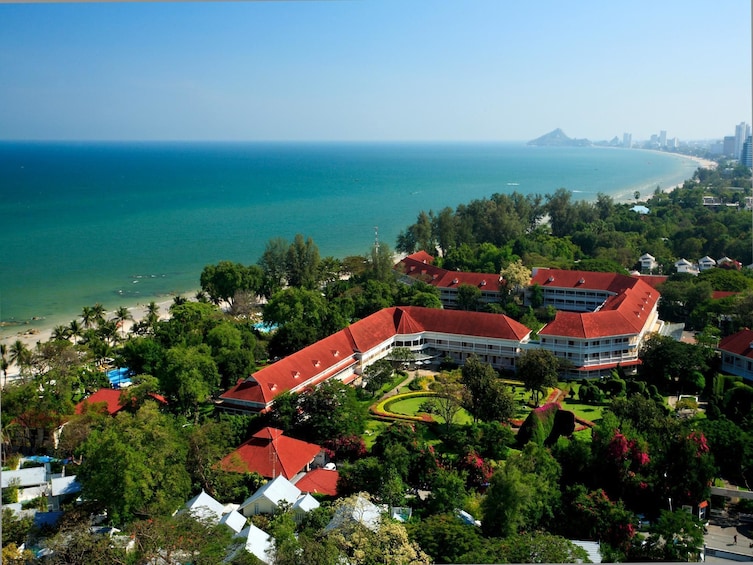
point(374, 69)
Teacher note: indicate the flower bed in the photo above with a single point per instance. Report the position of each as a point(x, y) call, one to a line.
point(381, 409)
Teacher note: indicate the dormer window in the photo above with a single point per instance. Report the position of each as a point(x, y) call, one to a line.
point(455, 281)
point(550, 279)
point(296, 374)
point(316, 363)
point(582, 281)
point(483, 283)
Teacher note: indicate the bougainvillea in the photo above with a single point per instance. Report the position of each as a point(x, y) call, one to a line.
point(700, 440)
point(479, 470)
point(346, 447)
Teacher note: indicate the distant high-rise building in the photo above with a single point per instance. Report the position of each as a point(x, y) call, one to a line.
point(729, 145)
point(627, 140)
point(746, 155)
point(662, 138)
point(742, 131)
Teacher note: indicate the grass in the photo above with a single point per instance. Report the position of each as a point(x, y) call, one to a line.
point(409, 406)
point(588, 412)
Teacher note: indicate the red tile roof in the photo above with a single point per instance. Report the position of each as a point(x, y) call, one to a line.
point(719, 294)
point(319, 481)
point(421, 256)
point(622, 314)
point(111, 398)
point(271, 454)
point(418, 266)
point(591, 280)
point(632, 363)
point(653, 280)
point(337, 353)
point(739, 343)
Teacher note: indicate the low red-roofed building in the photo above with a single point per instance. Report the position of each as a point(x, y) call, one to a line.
point(107, 396)
point(319, 481)
point(720, 294)
point(271, 453)
point(419, 266)
point(737, 354)
point(428, 332)
point(110, 398)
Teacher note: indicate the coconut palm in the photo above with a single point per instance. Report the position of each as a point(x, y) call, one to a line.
point(152, 315)
point(87, 317)
point(108, 331)
point(60, 333)
point(75, 330)
point(121, 315)
point(99, 313)
point(20, 355)
point(4, 363)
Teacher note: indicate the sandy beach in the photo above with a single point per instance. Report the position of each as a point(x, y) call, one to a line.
point(627, 197)
point(32, 335)
point(36, 331)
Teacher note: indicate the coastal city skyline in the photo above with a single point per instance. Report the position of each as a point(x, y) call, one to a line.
point(381, 71)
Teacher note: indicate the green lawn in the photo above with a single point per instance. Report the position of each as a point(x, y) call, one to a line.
point(411, 406)
point(588, 412)
point(408, 406)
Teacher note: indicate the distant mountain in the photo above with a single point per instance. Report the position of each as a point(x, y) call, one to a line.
point(558, 138)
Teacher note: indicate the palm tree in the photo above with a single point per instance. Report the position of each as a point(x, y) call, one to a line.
point(74, 330)
point(4, 363)
point(121, 315)
point(152, 314)
point(87, 317)
point(20, 355)
point(61, 333)
point(99, 313)
point(108, 332)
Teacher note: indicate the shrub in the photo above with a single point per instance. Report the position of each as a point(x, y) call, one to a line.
point(428, 406)
point(539, 424)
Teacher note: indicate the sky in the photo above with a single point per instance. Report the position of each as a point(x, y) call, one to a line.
point(374, 70)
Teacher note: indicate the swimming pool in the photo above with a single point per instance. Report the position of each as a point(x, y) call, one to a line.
point(120, 377)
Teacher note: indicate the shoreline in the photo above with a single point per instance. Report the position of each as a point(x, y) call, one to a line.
point(627, 196)
point(31, 335)
point(35, 330)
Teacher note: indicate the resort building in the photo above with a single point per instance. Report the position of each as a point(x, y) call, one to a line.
point(602, 318)
point(737, 354)
point(685, 266)
point(705, 263)
point(648, 263)
point(419, 267)
point(277, 494)
point(205, 508)
point(322, 480)
point(428, 332)
point(601, 322)
point(272, 454)
point(109, 400)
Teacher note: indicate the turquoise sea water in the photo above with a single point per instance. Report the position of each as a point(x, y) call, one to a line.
point(126, 223)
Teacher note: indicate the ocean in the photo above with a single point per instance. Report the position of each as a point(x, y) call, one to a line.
point(126, 223)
